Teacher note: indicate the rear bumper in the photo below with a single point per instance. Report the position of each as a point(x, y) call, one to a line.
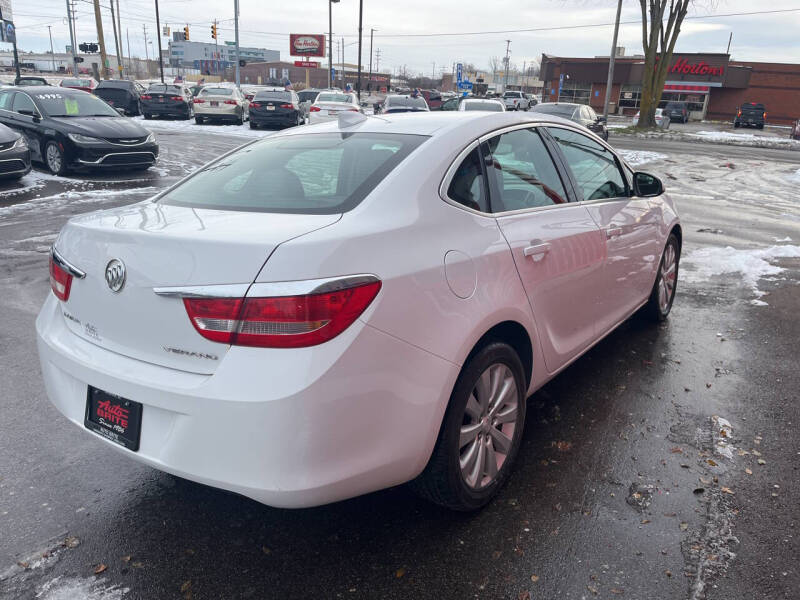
point(287, 119)
point(157, 108)
point(354, 415)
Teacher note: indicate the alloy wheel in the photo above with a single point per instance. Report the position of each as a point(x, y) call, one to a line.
point(54, 159)
point(666, 284)
point(489, 424)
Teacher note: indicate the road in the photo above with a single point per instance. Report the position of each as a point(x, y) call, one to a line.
point(627, 485)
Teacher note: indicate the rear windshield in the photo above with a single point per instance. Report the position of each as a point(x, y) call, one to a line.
point(406, 101)
point(306, 174)
point(753, 106)
point(347, 98)
point(306, 96)
point(273, 96)
point(76, 82)
point(492, 106)
point(124, 85)
point(217, 91)
point(512, 94)
point(161, 88)
point(560, 110)
point(676, 105)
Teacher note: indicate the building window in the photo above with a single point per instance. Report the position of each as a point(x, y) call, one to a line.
point(694, 102)
point(273, 72)
point(630, 96)
point(574, 91)
point(285, 73)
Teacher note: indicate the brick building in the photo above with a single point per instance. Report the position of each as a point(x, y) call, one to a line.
point(276, 73)
point(711, 84)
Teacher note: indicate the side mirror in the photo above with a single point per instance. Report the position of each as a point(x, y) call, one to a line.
point(646, 185)
point(601, 119)
point(120, 110)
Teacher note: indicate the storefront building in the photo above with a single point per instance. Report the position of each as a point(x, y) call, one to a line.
point(712, 85)
point(278, 73)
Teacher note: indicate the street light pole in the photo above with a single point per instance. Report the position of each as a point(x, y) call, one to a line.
point(369, 77)
point(158, 36)
point(72, 40)
point(236, 27)
point(52, 54)
point(358, 81)
point(611, 59)
point(330, 41)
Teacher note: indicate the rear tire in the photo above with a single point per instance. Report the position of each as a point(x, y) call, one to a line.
point(198, 120)
point(147, 116)
point(480, 434)
point(253, 125)
point(663, 293)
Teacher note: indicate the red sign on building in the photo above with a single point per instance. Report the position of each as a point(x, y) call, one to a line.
point(308, 64)
point(306, 44)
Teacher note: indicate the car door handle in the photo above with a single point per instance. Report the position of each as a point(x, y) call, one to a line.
point(537, 251)
point(613, 232)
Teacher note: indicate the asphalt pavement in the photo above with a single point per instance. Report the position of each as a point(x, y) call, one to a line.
point(663, 464)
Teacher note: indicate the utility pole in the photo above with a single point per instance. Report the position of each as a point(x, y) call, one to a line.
point(433, 71)
point(505, 70)
point(611, 59)
point(52, 54)
point(730, 39)
point(377, 60)
point(344, 81)
point(369, 79)
point(236, 28)
point(358, 81)
point(331, 79)
point(130, 60)
point(72, 40)
point(98, 20)
point(146, 54)
point(158, 36)
point(524, 64)
point(116, 40)
point(216, 47)
point(119, 29)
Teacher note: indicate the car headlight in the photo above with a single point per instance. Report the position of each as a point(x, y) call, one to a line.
point(84, 139)
point(20, 143)
point(151, 139)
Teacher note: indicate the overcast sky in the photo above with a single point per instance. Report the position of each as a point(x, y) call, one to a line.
point(768, 37)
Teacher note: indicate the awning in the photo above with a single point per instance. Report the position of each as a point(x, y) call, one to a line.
point(695, 89)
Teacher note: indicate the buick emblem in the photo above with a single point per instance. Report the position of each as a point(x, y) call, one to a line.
point(115, 275)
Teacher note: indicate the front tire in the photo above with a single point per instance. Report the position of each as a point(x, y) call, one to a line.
point(480, 433)
point(55, 158)
point(663, 293)
point(198, 120)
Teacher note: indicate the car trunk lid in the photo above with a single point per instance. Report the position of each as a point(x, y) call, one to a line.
point(165, 246)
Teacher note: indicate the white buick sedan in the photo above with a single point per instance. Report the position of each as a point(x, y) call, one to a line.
point(341, 308)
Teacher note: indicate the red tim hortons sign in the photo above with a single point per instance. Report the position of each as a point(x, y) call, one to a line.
point(684, 67)
point(306, 44)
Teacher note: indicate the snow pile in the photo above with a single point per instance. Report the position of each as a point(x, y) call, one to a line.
point(189, 126)
point(70, 588)
point(636, 158)
point(796, 177)
point(749, 265)
point(744, 139)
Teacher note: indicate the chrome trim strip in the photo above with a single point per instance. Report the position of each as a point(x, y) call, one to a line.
point(233, 290)
point(66, 265)
point(133, 145)
point(12, 146)
point(267, 289)
point(101, 159)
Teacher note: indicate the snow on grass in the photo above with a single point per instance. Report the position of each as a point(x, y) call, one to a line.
point(189, 126)
point(749, 265)
point(74, 588)
point(744, 139)
point(639, 157)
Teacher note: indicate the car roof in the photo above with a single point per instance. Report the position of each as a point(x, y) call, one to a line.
point(471, 124)
point(40, 90)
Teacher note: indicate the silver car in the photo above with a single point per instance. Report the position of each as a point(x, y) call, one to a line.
point(221, 103)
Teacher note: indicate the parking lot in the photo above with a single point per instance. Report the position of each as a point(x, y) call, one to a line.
point(621, 489)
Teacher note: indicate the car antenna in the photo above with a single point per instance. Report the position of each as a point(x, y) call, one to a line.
point(349, 119)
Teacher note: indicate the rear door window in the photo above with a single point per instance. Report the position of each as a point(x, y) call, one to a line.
point(305, 174)
point(593, 166)
point(521, 172)
point(468, 186)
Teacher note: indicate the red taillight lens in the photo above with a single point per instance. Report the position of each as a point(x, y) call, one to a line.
point(178, 98)
point(314, 109)
point(146, 97)
point(60, 281)
point(765, 115)
point(198, 101)
point(255, 105)
point(231, 102)
point(280, 322)
point(287, 105)
point(739, 114)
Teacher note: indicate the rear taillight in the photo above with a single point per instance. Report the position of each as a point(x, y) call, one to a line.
point(283, 321)
point(255, 105)
point(287, 105)
point(765, 115)
point(146, 97)
point(178, 98)
point(60, 280)
point(231, 102)
point(314, 109)
point(739, 114)
point(198, 101)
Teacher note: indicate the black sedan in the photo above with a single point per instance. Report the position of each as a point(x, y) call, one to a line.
point(579, 113)
point(15, 157)
point(281, 108)
point(121, 94)
point(70, 129)
point(167, 100)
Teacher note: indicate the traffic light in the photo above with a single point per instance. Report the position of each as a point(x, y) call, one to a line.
point(186, 33)
point(83, 47)
point(214, 31)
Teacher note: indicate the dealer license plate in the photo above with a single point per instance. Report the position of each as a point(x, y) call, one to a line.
point(113, 417)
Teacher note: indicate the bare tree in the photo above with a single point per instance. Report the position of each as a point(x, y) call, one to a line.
point(661, 25)
point(494, 65)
